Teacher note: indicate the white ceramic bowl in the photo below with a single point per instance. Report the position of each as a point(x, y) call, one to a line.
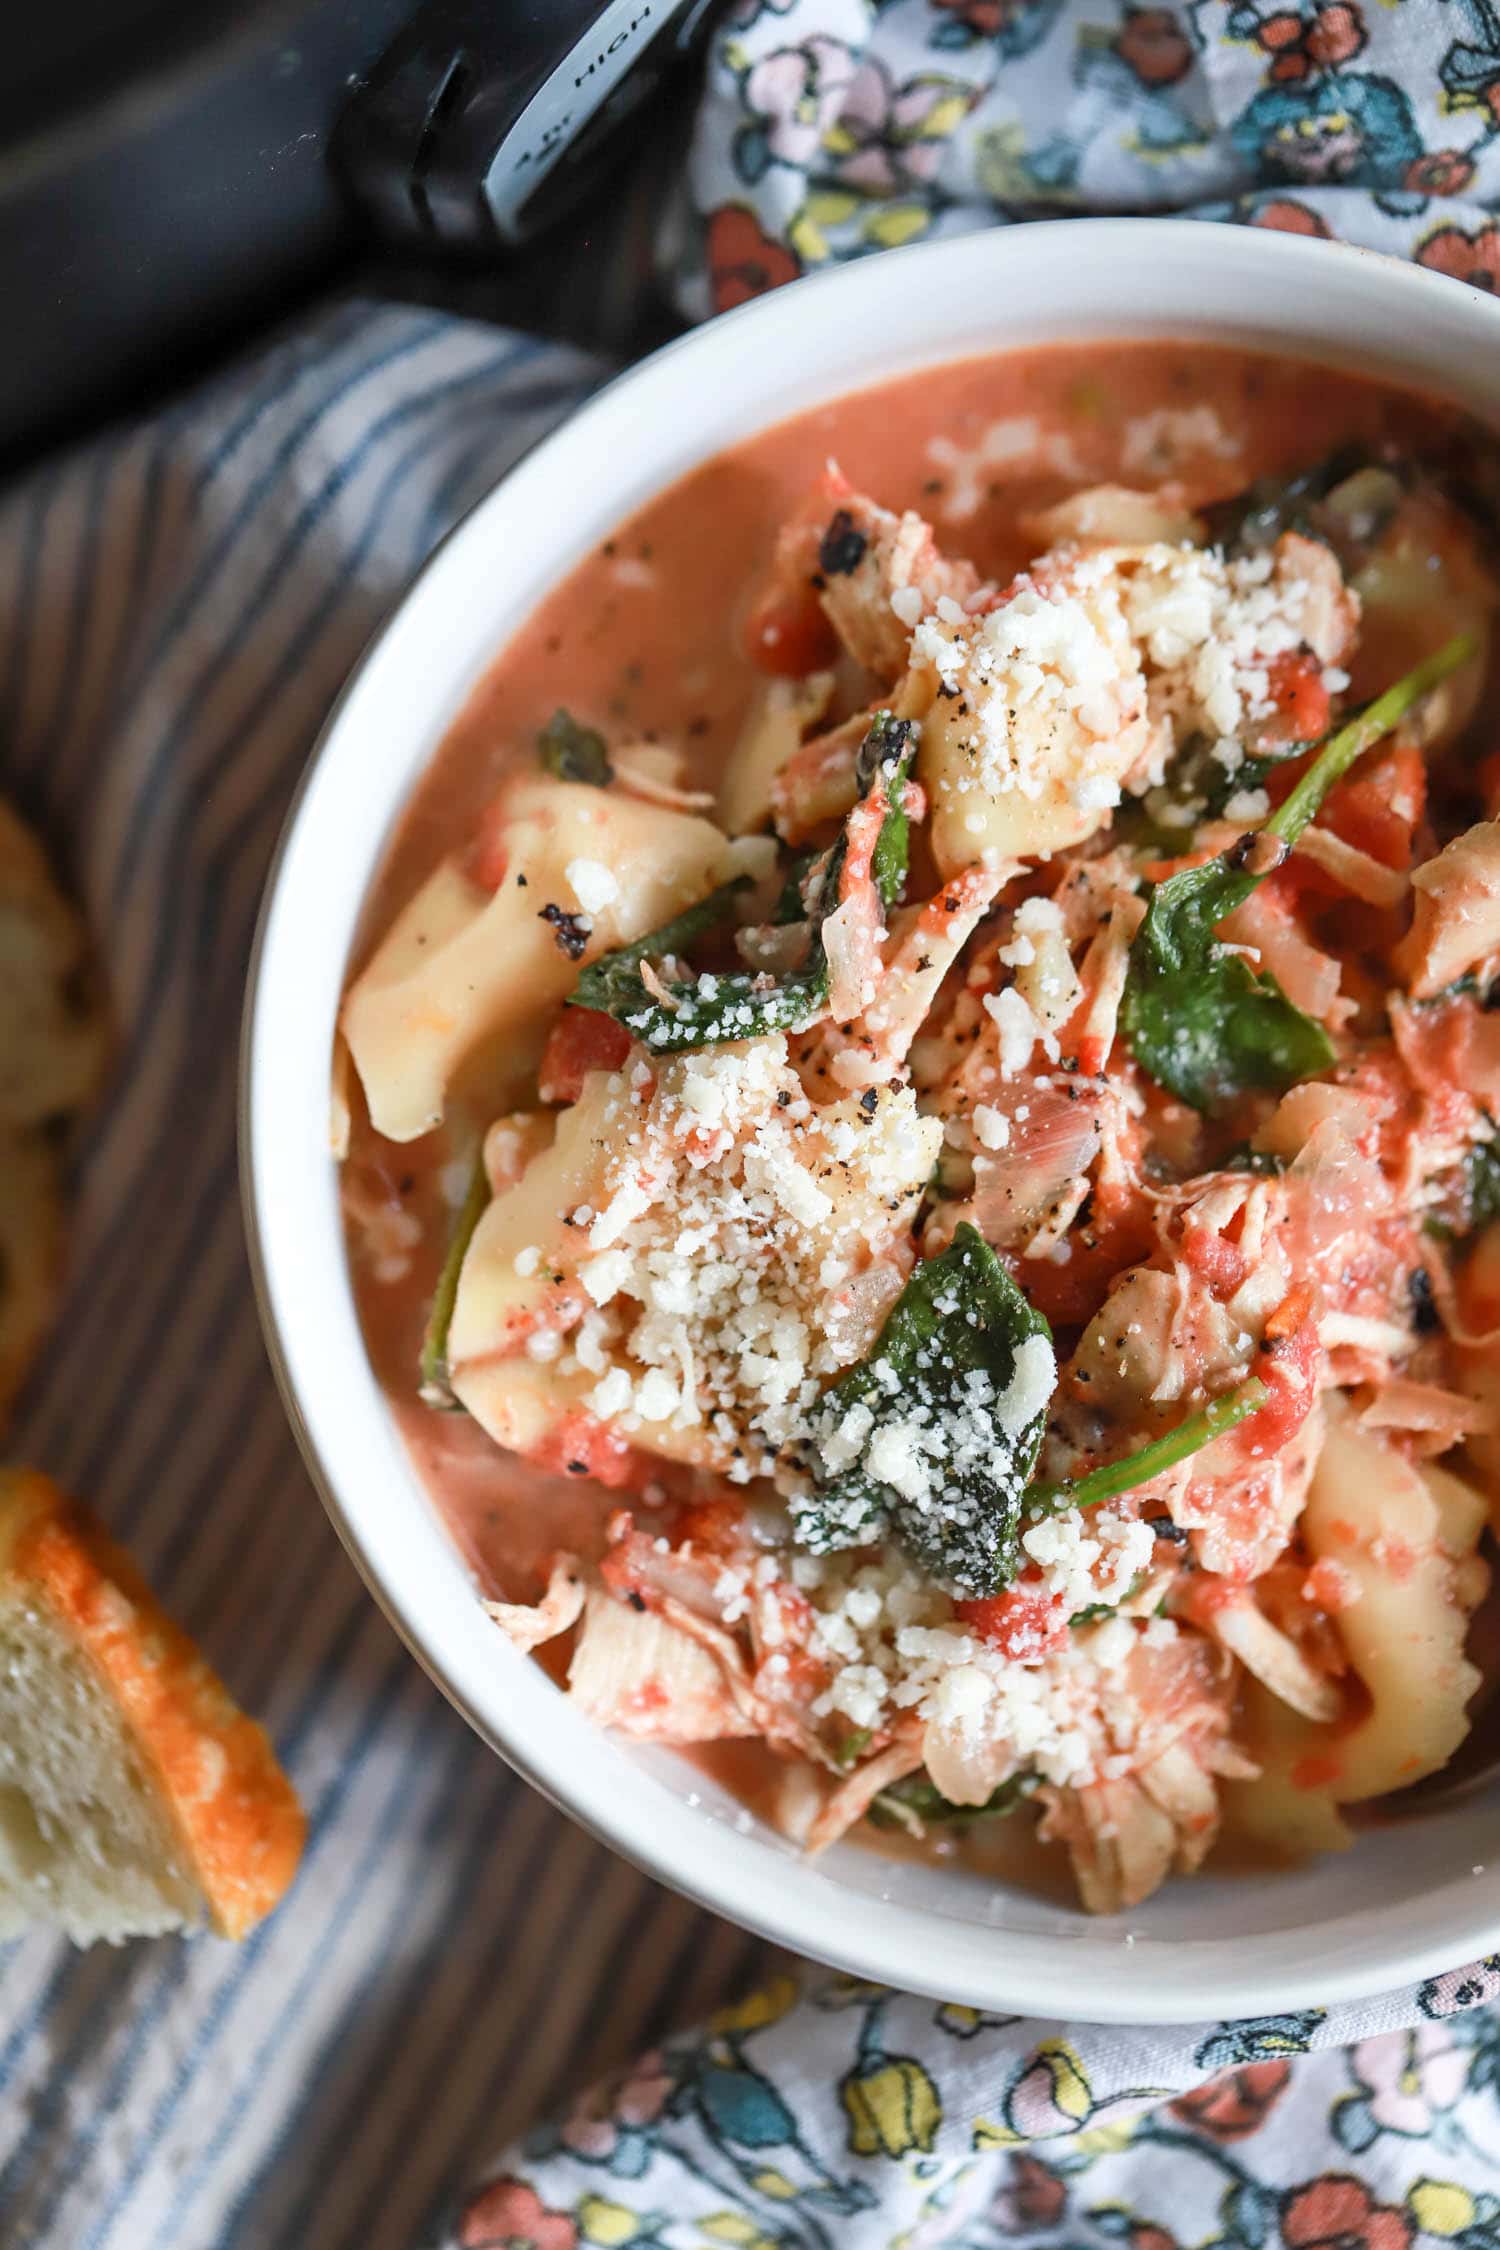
point(1406, 1903)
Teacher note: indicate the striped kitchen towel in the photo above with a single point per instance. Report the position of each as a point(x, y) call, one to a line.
point(184, 602)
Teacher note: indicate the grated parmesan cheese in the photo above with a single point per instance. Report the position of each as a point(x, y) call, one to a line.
point(592, 884)
point(718, 1263)
point(893, 1645)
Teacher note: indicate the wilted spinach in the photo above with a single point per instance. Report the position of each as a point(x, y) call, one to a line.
point(1148, 1461)
point(914, 1440)
point(1482, 1179)
point(1196, 1016)
point(432, 1366)
point(1197, 788)
point(918, 1801)
point(931, 1394)
point(573, 752)
point(1346, 499)
point(705, 1011)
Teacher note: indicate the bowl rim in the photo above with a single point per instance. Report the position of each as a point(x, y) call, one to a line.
point(914, 1947)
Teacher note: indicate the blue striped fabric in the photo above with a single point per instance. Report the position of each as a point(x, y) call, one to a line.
point(185, 600)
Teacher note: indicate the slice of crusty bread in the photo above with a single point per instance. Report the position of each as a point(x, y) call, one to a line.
point(135, 1797)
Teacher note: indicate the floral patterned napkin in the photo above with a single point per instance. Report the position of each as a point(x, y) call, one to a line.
point(834, 2115)
point(832, 128)
point(839, 2116)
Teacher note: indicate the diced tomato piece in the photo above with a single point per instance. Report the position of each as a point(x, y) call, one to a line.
point(1223, 1265)
point(581, 1040)
point(715, 1526)
point(1299, 699)
point(788, 634)
point(1023, 1622)
point(1286, 1318)
point(1379, 806)
point(1287, 1364)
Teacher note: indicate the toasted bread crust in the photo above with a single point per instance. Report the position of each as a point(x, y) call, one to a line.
point(241, 1826)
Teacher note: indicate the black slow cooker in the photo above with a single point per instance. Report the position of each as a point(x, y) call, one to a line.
point(173, 171)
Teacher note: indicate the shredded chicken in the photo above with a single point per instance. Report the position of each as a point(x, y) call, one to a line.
point(527, 1625)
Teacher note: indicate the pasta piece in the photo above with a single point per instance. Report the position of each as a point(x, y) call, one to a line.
point(769, 740)
point(464, 967)
point(1402, 1533)
point(1457, 921)
point(1285, 1808)
point(1072, 688)
point(707, 1242)
point(1405, 1537)
point(525, 1407)
point(1109, 515)
point(528, 1625)
point(1041, 721)
point(520, 1273)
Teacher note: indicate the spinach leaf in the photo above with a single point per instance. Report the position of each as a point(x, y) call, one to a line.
point(918, 1802)
point(573, 752)
point(1197, 788)
point(432, 1365)
point(1253, 520)
point(612, 985)
point(853, 1747)
point(1148, 1461)
point(1482, 1180)
point(789, 907)
point(927, 1435)
point(885, 758)
point(1196, 1016)
point(704, 1011)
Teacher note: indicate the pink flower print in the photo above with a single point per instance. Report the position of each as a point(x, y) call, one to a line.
point(793, 95)
point(634, 2100)
point(1052, 2095)
point(887, 139)
point(1473, 257)
point(1411, 2077)
point(510, 2215)
point(1033, 2195)
point(1473, 1986)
